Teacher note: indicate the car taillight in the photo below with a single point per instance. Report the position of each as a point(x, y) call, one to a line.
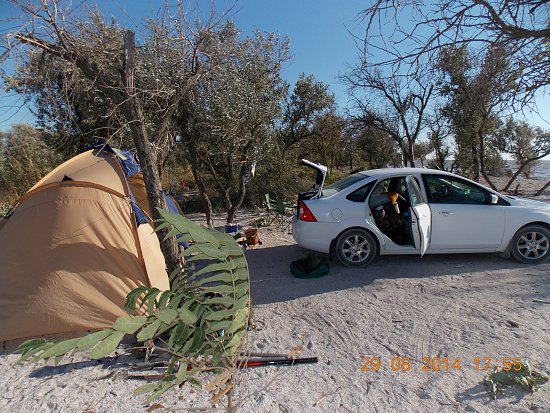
point(305, 214)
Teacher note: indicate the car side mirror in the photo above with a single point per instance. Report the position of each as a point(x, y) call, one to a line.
point(494, 199)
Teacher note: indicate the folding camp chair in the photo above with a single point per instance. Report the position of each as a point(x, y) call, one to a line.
point(278, 212)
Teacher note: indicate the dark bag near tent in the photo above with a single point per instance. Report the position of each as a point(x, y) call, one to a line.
point(309, 267)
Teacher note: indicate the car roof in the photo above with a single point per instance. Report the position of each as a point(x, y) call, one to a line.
point(406, 171)
point(390, 172)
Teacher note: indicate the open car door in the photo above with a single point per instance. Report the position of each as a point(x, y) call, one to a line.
point(420, 216)
point(315, 190)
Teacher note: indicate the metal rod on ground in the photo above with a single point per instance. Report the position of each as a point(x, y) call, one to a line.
point(244, 363)
point(263, 355)
point(272, 362)
point(241, 364)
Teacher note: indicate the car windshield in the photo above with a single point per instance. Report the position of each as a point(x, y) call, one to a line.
point(342, 184)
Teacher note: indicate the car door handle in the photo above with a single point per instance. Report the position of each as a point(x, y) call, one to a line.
point(446, 213)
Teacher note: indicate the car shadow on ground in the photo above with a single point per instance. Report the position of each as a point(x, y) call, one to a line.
point(271, 280)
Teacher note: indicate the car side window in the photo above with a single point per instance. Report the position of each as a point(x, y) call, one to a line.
point(359, 195)
point(443, 189)
point(414, 192)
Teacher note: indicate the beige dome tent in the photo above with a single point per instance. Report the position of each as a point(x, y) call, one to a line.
point(74, 247)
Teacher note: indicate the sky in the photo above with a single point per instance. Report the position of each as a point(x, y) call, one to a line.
point(317, 29)
point(319, 32)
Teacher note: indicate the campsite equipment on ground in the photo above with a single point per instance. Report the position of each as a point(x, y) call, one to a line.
point(231, 228)
point(76, 244)
point(275, 361)
point(251, 360)
point(279, 212)
point(252, 236)
point(309, 267)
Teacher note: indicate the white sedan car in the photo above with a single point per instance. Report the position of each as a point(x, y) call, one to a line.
point(416, 211)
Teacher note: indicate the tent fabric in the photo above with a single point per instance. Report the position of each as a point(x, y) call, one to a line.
point(92, 166)
point(72, 250)
point(153, 259)
point(137, 188)
point(126, 159)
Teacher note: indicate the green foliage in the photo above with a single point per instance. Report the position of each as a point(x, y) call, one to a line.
point(477, 91)
point(376, 148)
point(526, 377)
point(228, 128)
point(5, 209)
point(309, 102)
point(65, 102)
point(205, 313)
point(25, 157)
point(310, 127)
point(525, 143)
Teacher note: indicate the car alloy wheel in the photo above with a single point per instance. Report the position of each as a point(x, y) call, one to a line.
point(531, 244)
point(355, 247)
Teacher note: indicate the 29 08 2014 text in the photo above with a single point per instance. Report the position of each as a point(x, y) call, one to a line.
point(431, 364)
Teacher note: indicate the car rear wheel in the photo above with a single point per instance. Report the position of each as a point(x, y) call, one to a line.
point(355, 247)
point(531, 244)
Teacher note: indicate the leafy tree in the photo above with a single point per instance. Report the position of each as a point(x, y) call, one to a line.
point(229, 126)
point(376, 148)
point(309, 112)
point(144, 85)
point(308, 127)
point(476, 93)
point(437, 140)
point(329, 145)
point(24, 159)
point(422, 150)
point(525, 143)
point(66, 103)
point(324, 144)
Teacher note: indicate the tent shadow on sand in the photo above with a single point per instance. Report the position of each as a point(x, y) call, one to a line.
point(49, 371)
point(110, 364)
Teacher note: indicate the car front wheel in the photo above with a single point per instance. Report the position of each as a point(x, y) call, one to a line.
point(531, 244)
point(355, 247)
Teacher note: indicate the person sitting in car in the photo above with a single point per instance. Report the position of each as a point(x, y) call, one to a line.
point(390, 217)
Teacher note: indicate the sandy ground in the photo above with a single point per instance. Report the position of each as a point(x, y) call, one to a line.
point(461, 306)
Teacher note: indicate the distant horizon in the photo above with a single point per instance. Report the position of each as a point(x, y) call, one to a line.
point(539, 171)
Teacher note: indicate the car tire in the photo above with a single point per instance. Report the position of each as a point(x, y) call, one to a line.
point(355, 248)
point(531, 244)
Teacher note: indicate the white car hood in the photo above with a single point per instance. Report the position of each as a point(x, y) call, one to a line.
point(528, 203)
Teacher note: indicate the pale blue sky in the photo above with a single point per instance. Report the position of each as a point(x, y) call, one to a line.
point(318, 31)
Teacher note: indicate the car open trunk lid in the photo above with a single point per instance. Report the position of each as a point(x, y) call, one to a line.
point(315, 190)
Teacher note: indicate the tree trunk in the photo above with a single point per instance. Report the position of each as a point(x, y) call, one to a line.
point(514, 176)
point(240, 198)
point(411, 152)
point(145, 150)
point(475, 162)
point(482, 162)
point(488, 179)
point(540, 191)
point(195, 169)
point(523, 165)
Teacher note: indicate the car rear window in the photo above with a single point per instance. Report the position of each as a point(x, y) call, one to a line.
point(342, 184)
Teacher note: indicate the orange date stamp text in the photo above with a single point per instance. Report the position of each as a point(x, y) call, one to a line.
point(431, 364)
